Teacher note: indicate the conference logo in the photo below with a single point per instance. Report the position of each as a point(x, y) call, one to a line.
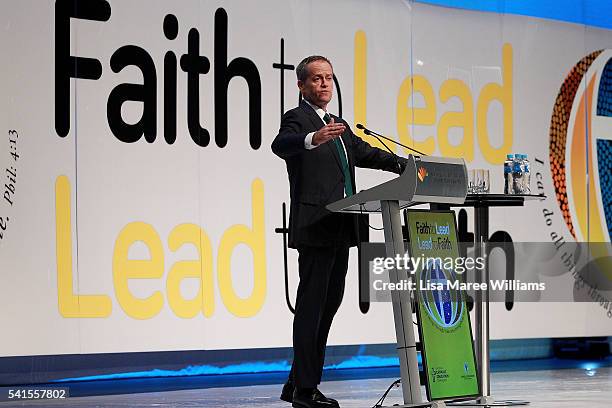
point(443, 305)
point(581, 148)
point(422, 173)
point(581, 151)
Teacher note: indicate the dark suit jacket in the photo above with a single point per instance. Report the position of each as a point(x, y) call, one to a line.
point(316, 178)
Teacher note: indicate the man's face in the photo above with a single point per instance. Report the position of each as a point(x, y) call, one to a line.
point(318, 86)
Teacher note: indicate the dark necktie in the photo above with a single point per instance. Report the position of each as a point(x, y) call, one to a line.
point(348, 185)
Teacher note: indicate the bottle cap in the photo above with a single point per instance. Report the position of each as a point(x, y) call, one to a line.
point(509, 156)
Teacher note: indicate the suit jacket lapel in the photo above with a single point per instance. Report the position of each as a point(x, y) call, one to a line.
point(316, 121)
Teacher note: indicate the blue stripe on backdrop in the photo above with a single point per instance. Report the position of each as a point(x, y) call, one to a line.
point(596, 13)
point(505, 352)
point(339, 357)
point(244, 368)
point(346, 361)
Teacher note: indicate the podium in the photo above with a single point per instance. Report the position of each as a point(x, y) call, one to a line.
point(426, 179)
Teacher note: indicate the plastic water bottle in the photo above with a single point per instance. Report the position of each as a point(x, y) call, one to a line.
point(517, 174)
point(508, 174)
point(526, 176)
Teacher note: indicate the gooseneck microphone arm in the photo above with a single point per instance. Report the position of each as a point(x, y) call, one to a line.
point(367, 132)
point(377, 135)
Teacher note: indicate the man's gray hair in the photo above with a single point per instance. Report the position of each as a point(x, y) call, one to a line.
point(302, 69)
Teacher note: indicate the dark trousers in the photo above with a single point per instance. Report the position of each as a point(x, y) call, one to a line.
point(322, 273)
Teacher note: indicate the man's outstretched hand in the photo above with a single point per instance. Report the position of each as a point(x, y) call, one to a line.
point(328, 132)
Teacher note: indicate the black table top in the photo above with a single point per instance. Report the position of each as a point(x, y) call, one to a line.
point(498, 200)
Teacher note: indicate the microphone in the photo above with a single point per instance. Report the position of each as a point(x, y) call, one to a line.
point(377, 135)
point(367, 132)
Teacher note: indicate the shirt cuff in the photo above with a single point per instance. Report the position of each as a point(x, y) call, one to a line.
point(308, 141)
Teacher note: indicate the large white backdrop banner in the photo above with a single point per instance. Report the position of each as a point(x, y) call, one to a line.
point(140, 195)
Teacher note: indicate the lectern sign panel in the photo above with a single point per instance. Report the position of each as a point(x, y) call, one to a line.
point(438, 176)
point(444, 323)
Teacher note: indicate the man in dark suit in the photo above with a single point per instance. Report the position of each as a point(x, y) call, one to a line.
point(321, 153)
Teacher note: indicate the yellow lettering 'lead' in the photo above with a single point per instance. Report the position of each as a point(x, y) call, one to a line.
point(69, 303)
point(255, 239)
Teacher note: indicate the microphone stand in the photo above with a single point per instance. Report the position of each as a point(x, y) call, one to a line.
point(378, 135)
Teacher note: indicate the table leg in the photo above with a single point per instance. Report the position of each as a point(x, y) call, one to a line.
point(481, 312)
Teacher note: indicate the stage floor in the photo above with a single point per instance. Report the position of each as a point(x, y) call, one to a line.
point(559, 388)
